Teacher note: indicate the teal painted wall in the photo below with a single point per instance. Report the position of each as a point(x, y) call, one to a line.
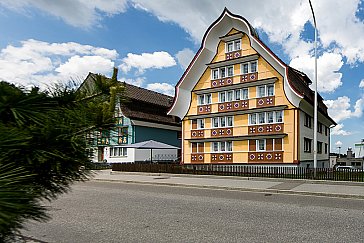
point(157, 134)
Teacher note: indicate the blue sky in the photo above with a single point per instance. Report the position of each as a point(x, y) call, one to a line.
point(45, 42)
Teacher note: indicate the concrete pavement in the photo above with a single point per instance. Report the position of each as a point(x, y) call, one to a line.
point(264, 185)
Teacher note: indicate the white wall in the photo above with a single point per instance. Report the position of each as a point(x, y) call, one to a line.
point(120, 159)
point(359, 150)
point(306, 132)
point(140, 155)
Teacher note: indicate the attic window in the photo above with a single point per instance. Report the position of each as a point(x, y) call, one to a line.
point(231, 46)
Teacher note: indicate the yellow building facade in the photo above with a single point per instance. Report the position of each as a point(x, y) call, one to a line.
point(240, 104)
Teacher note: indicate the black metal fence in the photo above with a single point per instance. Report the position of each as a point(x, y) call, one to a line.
point(245, 171)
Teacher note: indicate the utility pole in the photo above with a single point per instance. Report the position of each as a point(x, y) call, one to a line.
point(315, 102)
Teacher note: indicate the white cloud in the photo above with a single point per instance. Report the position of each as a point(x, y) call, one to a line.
point(283, 22)
point(163, 88)
point(184, 57)
point(41, 63)
point(145, 61)
point(338, 144)
point(338, 130)
point(328, 66)
point(361, 85)
point(78, 13)
point(139, 81)
point(340, 109)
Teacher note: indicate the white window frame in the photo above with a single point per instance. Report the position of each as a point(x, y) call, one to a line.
point(257, 143)
point(234, 45)
point(249, 64)
point(118, 152)
point(219, 119)
point(266, 121)
point(206, 101)
point(242, 93)
point(198, 144)
point(251, 119)
point(266, 86)
point(200, 123)
point(221, 70)
point(222, 147)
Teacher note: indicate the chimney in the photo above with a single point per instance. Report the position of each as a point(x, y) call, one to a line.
point(350, 153)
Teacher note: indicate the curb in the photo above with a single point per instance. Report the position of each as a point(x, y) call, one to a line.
point(273, 191)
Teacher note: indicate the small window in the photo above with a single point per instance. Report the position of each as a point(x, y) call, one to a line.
point(326, 130)
point(307, 145)
point(261, 118)
point(319, 127)
point(279, 116)
point(222, 146)
point(221, 97)
point(253, 67)
point(222, 122)
point(208, 99)
point(270, 117)
point(261, 91)
point(244, 94)
point(215, 122)
point(201, 100)
point(319, 147)
point(200, 123)
point(237, 94)
point(204, 99)
point(215, 146)
point(229, 146)
point(222, 73)
point(237, 45)
point(230, 71)
point(230, 47)
point(270, 90)
point(215, 74)
point(253, 119)
point(229, 121)
point(229, 96)
point(233, 46)
point(261, 145)
point(326, 148)
point(307, 121)
point(245, 68)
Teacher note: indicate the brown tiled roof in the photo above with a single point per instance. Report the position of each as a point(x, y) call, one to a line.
point(300, 83)
point(146, 105)
point(146, 95)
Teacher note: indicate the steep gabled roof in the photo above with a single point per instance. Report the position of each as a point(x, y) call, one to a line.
point(295, 82)
point(143, 104)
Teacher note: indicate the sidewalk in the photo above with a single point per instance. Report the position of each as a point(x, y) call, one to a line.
point(256, 184)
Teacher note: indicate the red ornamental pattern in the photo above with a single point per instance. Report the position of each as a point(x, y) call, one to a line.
point(234, 106)
point(203, 109)
point(197, 158)
point(265, 157)
point(266, 129)
point(221, 82)
point(250, 77)
point(222, 158)
point(197, 133)
point(266, 101)
point(222, 132)
point(232, 55)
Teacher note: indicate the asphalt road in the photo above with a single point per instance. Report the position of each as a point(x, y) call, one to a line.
point(122, 212)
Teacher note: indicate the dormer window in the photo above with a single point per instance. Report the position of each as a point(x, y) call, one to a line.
point(231, 46)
